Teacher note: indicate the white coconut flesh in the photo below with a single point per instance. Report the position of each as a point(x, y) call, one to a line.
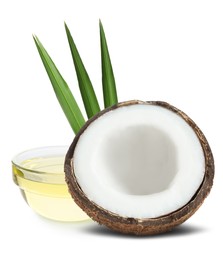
point(139, 161)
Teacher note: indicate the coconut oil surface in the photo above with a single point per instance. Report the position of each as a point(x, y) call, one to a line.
point(42, 183)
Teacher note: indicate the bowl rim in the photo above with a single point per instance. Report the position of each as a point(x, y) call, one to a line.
point(44, 151)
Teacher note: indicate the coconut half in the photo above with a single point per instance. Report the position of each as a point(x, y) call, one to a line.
point(140, 167)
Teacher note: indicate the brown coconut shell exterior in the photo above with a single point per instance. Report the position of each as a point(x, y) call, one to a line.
point(136, 226)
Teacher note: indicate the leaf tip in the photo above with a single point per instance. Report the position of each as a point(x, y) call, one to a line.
point(65, 25)
point(101, 25)
point(34, 37)
point(36, 40)
point(66, 28)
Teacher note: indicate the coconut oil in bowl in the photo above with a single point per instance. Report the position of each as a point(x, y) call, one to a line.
point(39, 173)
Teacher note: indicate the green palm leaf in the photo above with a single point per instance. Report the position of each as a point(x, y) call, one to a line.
point(61, 90)
point(85, 85)
point(108, 80)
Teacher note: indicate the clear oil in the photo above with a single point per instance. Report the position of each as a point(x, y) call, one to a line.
point(42, 183)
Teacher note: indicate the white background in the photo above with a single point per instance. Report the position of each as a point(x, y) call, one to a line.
point(160, 50)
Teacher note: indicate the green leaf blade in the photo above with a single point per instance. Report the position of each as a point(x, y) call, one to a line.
point(87, 91)
point(61, 89)
point(108, 79)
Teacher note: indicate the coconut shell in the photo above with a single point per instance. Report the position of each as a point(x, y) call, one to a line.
point(145, 226)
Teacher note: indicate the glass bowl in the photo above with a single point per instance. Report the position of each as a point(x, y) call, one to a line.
point(39, 173)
